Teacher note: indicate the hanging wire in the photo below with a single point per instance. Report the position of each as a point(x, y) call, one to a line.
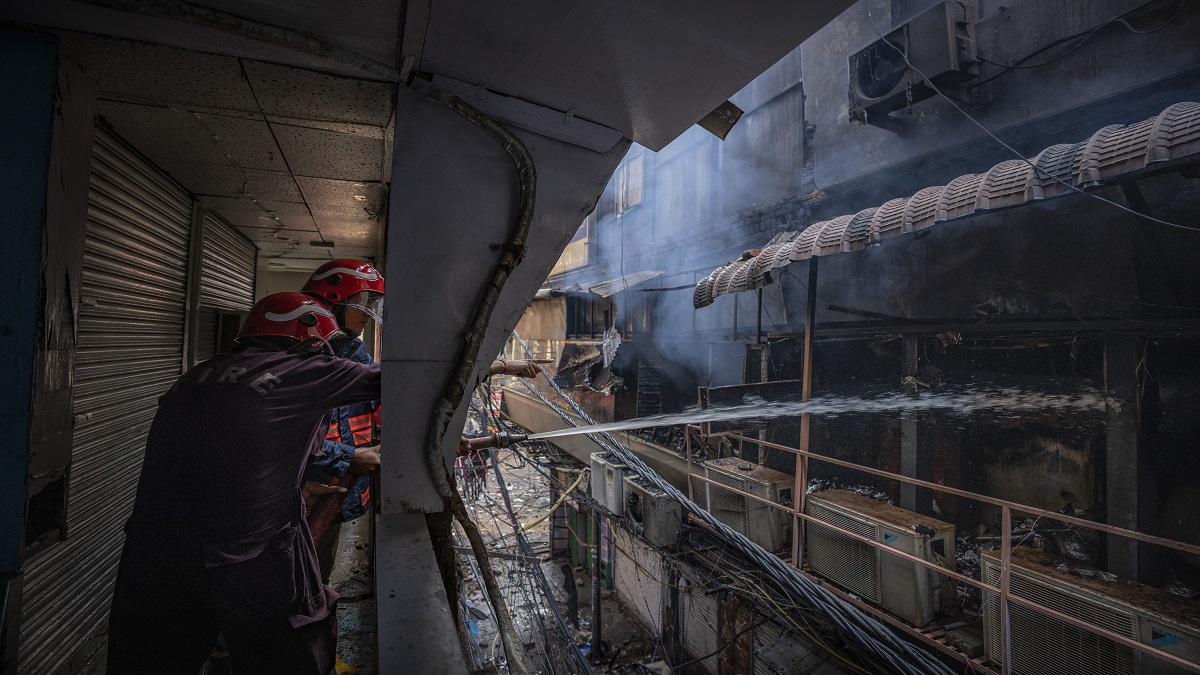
point(878, 642)
point(1018, 155)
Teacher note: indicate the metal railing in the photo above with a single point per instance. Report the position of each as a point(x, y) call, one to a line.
point(1006, 598)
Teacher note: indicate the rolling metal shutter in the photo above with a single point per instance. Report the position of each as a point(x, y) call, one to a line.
point(639, 579)
point(700, 637)
point(227, 267)
point(130, 350)
point(207, 323)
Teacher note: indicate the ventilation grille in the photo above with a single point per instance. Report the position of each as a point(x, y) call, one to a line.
point(848, 562)
point(727, 506)
point(1045, 646)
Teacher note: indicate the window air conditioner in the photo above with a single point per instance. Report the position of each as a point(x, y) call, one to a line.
point(766, 526)
point(940, 44)
point(651, 513)
point(902, 587)
point(608, 482)
point(1042, 645)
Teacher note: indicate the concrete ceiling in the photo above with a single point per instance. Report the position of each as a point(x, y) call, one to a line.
point(278, 113)
point(647, 69)
point(289, 156)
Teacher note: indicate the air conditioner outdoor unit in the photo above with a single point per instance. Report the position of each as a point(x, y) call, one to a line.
point(651, 513)
point(940, 44)
point(608, 484)
point(766, 526)
point(904, 588)
point(1042, 645)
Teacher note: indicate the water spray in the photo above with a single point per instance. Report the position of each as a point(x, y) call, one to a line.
point(1003, 401)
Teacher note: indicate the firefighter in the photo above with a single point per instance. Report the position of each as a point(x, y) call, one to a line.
point(353, 291)
point(217, 542)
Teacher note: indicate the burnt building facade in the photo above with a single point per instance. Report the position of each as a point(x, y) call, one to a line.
point(987, 196)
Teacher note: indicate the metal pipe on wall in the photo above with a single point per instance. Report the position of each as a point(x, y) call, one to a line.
point(597, 649)
point(801, 485)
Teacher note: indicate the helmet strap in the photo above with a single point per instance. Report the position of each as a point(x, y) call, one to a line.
point(312, 345)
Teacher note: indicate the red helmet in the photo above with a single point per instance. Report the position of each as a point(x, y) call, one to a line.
point(337, 280)
point(291, 315)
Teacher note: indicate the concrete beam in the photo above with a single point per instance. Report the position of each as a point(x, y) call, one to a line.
point(1129, 479)
point(454, 194)
point(416, 630)
point(916, 458)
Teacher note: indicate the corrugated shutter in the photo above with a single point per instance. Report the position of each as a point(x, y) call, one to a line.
point(639, 579)
point(227, 267)
point(227, 270)
point(700, 627)
point(131, 320)
point(207, 323)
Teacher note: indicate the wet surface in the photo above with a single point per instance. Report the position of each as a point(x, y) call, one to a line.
point(352, 579)
point(625, 640)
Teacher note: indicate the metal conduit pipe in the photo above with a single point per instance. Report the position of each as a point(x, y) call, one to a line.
point(512, 253)
point(281, 36)
point(872, 637)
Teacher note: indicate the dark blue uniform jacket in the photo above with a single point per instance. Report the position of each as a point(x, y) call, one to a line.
point(349, 428)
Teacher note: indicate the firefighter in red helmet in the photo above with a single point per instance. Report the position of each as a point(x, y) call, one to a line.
point(353, 291)
point(217, 541)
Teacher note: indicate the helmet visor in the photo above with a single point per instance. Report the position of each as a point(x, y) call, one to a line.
point(372, 306)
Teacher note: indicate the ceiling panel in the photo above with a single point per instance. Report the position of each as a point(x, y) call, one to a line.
point(249, 141)
point(366, 26)
point(253, 220)
point(142, 71)
point(262, 220)
point(340, 211)
point(162, 133)
point(277, 238)
point(245, 204)
point(326, 154)
point(339, 228)
point(206, 179)
point(325, 191)
point(349, 233)
point(307, 252)
point(255, 186)
point(365, 130)
point(304, 94)
point(359, 252)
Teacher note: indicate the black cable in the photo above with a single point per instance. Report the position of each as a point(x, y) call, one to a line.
point(1086, 35)
point(722, 647)
point(581, 664)
point(1020, 157)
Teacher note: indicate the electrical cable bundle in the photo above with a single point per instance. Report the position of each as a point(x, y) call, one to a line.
point(536, 588)
point(877, 641)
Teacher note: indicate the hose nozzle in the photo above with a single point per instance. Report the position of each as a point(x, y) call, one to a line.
point(502, 439)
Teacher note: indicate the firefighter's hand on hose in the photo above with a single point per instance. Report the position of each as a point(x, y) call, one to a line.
point(365, 461)
point(517, 368)
point(312, 489)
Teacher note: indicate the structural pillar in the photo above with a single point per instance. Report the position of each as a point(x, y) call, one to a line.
point(1128, 478)
point(915, 461)
point(46, 141)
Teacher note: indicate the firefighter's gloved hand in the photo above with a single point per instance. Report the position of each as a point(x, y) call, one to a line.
point(517, 368)
point(365, 461)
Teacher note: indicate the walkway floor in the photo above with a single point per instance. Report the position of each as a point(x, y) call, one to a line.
point(352, 578)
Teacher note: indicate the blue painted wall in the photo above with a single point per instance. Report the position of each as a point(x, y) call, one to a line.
point(27, 88)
